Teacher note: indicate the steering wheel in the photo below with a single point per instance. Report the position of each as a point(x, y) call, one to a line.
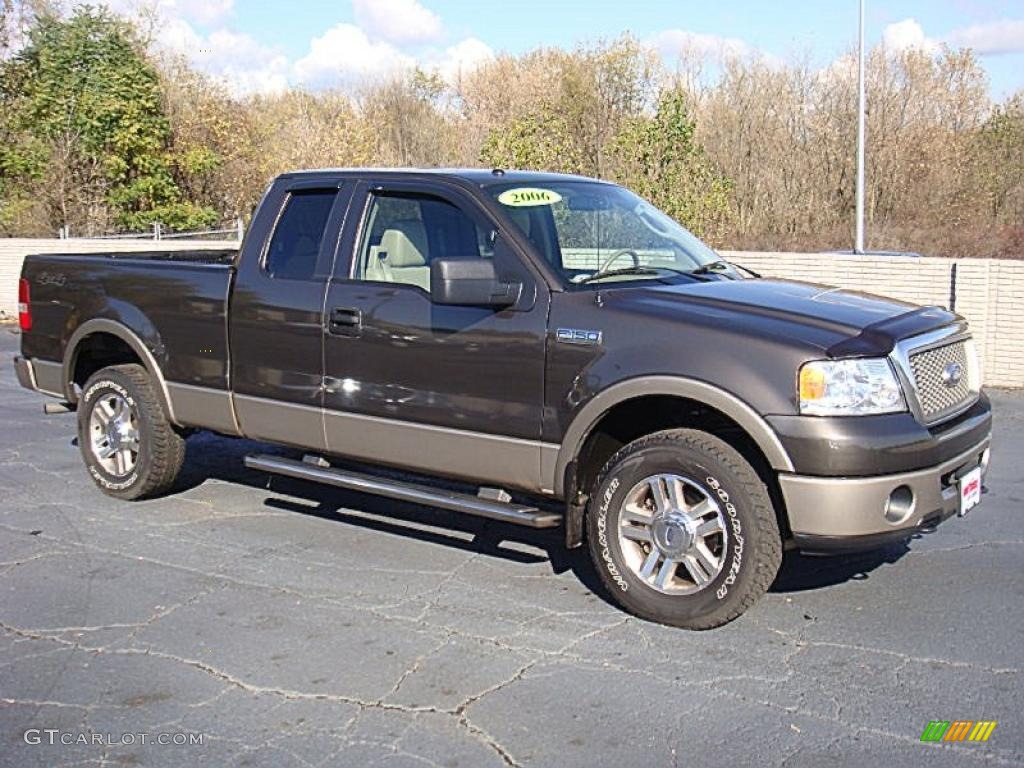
point(616, 256)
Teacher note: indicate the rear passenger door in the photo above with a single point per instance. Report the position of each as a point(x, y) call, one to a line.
point(450, 390)
point(276, 313)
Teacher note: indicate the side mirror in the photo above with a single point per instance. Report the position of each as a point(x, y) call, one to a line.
point(471, 282)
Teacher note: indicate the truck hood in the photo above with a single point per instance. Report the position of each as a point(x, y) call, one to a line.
point(841, 322)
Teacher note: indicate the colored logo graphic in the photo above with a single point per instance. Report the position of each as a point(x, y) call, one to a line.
point(958, 730)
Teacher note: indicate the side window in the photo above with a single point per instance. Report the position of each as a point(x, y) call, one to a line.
point(295, 244)
point(403, 233)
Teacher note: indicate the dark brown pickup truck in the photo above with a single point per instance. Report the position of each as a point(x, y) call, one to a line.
point(551, 336)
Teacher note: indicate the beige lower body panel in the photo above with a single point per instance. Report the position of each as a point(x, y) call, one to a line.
point(837, 506)
point(49, 377)
point(203, 407)
point(476, 456)
point(279, 422)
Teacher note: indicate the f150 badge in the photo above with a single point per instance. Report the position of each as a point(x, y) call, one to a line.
point(578, 336)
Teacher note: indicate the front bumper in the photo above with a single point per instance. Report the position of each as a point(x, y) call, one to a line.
point(844, 513)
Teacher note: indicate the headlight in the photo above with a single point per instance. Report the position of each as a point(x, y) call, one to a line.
point(855, 387)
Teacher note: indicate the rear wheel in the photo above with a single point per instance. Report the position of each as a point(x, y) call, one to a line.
point(682, 530)
point(129, 446)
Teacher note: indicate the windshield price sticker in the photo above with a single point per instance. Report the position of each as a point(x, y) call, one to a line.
point(525, 197)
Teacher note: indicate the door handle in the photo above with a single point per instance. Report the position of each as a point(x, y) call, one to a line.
point(345, 321)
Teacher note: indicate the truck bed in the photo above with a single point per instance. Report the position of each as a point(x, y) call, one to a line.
point(176, 301)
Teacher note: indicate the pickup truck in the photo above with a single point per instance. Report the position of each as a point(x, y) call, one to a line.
point(493, 332)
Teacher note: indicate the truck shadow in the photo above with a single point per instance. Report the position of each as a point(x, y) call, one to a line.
point(211, 456)
point(801, 573)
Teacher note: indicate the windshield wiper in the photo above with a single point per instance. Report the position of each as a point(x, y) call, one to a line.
point(720, 265)
point(614, 272)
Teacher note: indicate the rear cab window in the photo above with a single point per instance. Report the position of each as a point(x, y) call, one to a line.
point(294, 247)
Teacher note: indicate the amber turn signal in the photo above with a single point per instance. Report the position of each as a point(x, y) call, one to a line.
point(812, 383)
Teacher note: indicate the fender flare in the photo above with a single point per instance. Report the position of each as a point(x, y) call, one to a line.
point(753, 423)
point(129, 337)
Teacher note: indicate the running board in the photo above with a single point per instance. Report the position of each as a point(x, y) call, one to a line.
point(507, 512)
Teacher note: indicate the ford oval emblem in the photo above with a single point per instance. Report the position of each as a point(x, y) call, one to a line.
point(952, 374)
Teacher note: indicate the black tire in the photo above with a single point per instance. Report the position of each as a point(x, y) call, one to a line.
point(161, 450)
point(750, 550)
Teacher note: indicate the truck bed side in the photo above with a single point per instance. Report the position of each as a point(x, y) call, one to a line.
point(176, 308)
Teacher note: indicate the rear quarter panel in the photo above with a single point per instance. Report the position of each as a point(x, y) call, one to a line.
point(178, 310)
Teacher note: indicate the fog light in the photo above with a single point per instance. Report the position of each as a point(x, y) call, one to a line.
point(900, 504)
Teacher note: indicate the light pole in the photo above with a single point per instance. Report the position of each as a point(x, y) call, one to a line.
point(858, 246)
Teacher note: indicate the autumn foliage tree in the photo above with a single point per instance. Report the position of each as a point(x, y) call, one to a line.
point(86, 142)
point(100, 133)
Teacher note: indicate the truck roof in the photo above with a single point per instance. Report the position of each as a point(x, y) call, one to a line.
point(480, 176)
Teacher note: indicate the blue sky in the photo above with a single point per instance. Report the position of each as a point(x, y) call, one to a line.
point(260, 46)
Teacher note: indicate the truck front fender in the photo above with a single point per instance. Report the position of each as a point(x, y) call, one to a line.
point(674, 386)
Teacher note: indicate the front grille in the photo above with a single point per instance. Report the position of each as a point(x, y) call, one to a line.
point(930, 369)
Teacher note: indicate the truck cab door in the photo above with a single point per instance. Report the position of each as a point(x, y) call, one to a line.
point(276, 312)
point(449, 390)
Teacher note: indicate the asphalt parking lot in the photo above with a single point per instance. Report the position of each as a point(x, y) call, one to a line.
point(292, 625)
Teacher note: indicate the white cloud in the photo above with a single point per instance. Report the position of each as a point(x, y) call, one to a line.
point(244, 64)
point(344, 54)
point(203, 12)
point(462, 58)
point(997, 37)
point(905, 35)
point(1005, 36)
point(397, 21)
point(391, 37)
point(682, 42)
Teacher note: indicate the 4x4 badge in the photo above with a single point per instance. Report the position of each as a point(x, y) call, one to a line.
point(578, 336)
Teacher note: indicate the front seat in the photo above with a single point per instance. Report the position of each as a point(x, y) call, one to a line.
point(403, 254)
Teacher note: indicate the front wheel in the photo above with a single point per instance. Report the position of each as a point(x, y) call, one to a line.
point(129, 446)
point(682, 530)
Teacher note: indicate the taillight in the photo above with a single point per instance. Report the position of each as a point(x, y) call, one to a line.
point(24, 313)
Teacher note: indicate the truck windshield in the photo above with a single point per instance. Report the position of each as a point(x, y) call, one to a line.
point(594, 233)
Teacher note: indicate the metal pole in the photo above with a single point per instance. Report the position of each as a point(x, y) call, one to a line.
point(858, 246)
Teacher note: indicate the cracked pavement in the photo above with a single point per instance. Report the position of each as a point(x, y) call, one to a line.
point(295, 625)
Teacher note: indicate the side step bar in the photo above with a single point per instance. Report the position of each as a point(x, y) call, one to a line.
point(507, 512)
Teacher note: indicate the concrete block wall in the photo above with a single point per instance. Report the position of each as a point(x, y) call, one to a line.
point(988, 292)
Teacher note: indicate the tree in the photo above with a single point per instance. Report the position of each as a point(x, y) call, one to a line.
point(539, 140)
point(87, 139)
point(214, 145)
point(412, 124)
point(558, 110)
point(659, 158)
point(304, 130)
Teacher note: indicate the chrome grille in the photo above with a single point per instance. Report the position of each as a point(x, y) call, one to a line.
point(934, 394)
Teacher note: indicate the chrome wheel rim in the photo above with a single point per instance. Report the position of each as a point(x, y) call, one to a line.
point(672, 534)
point(114, 434)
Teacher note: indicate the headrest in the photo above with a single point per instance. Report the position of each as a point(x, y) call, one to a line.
point(405, 243)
